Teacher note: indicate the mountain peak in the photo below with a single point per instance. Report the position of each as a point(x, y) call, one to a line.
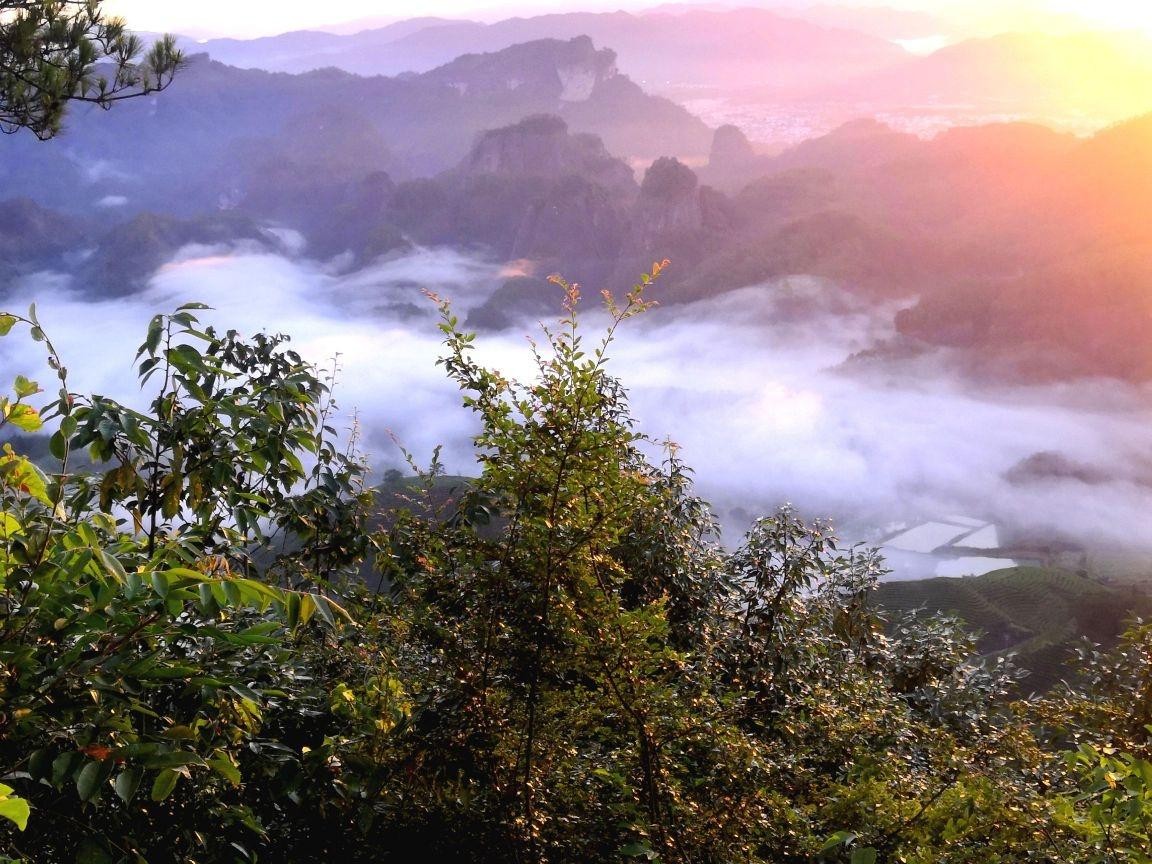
point(730, 147)
point(541, 145)
point(570, 69)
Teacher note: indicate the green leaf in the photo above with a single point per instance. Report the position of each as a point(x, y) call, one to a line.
point(127, 784)
point(7, 322)
point(231, 593)
point(324, 610)
point(90, 779)
point(208, 602)
point(62, 767)
point(23, 387)
point(58, 445)
point(15, 810)
point(187, 359)
point(161, 583)
point(840, 838)
point(10, 527)
point(307, 608)
point(174, 759)
point(226, 768)
point(175, 573)
point(152, 341)
point(39, 765)
point(245, 692)
point(25, 418)
point(292, 611)
point(19, 473)
point(864, 856)
point(164, 784)
point(113, 566)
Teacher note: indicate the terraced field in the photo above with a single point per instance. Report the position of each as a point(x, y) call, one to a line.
point(1038, 614)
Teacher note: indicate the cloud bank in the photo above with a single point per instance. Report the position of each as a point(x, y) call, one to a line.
point(751, 385)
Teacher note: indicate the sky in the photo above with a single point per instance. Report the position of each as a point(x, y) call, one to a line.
point(250, 18)
point(265, 17)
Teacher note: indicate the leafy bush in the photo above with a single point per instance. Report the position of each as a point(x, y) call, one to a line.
point(143, 654)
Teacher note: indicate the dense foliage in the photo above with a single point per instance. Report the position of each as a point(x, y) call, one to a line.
point(53, 52)
point(565, 664)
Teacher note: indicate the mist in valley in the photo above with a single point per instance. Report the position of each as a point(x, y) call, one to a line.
point(763, 389)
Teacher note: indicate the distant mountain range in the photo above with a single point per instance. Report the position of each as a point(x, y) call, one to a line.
point(884, 22)
point(1024, 252)
point(824, 55)
point(733, 49)
point(1018, 252)
point(222, 134)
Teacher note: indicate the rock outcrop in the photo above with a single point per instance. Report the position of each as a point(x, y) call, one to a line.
point(673, 217)
point(669, 204)
point(732, 162)
point(730, 149)
point(541, 146)
point(568, 71)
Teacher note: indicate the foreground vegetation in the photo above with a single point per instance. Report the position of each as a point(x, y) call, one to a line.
point(564, 666)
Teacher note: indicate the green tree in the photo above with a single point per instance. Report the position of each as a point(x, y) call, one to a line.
point(54, 52)
point(592, 677)
point(151, 671)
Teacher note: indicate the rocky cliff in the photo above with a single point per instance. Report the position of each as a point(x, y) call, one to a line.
point(567, 71)
point(542, 146)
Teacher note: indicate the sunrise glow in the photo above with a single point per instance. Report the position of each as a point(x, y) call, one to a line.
point(1118, 14)
point(263, 17)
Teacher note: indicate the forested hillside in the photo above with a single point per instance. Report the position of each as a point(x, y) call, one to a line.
point(1038, 617)
point(225, 133)
point(705, 48)
point(995, 241)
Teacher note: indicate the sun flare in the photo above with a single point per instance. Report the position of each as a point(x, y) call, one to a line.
point(1115, 14)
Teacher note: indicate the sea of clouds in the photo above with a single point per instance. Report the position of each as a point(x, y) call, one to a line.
point(753, 386)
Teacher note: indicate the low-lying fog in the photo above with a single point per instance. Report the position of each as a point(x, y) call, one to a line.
point(751, 385)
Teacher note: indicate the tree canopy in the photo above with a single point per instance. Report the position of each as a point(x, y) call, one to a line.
point(56, 52)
